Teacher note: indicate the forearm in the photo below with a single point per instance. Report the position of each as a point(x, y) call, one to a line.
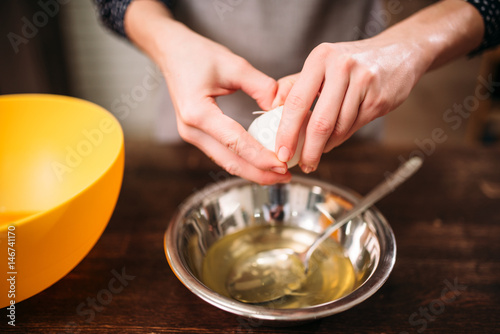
point(441, 32)
point(112, 12)
point(150, 25)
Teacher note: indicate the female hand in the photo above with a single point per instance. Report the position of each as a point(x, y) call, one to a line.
point(356, 82)
point(196, 74)
point(197, 70)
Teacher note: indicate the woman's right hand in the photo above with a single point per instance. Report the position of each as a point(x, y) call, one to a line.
point(197, 70)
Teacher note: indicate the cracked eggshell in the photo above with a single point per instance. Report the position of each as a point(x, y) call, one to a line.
point(265, 127)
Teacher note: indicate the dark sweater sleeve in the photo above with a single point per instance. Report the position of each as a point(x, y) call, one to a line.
point(112, 13)
point(490, 11)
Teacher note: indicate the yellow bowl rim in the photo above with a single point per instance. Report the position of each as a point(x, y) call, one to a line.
point(55, 97)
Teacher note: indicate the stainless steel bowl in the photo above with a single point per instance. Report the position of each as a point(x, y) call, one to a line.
point(229, 206)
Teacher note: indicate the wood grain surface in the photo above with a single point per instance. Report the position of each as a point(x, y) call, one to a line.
point(446, 279)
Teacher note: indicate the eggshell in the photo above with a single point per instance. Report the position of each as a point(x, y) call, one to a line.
point(265, 127)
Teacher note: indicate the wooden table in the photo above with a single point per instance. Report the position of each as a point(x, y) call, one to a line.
point(446, 279)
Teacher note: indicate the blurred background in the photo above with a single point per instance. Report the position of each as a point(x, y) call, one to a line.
point(64, 49)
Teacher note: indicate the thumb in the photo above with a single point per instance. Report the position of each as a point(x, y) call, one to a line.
point(285, 84)
point(257, 85)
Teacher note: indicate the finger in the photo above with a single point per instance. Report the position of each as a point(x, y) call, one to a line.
point(323, 120)
point(358, 124)
point(347, 117)
point(296, 107)
point(235, 138)
point(285, 84)
point(232, 163)
point(364, 117)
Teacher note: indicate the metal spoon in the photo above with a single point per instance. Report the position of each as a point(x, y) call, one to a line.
point(273, 274)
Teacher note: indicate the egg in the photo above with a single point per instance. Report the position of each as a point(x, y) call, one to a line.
point(265, 127)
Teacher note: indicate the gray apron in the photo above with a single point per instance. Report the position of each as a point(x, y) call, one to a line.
point(275, 36)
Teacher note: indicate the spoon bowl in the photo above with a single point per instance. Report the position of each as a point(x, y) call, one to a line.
point(267, 276)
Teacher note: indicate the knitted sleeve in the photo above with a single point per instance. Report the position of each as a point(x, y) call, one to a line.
point(112, 13)
point(490, 11)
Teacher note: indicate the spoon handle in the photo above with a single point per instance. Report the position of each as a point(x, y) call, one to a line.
point(384, 188)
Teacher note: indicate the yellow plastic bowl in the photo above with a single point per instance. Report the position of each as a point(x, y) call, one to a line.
point(61, 168)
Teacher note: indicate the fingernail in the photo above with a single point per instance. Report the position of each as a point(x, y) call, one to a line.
point(279, 170)
point(283, 154)
point(307, 169)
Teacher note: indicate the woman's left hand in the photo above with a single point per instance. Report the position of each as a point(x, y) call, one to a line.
point(354, 83)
